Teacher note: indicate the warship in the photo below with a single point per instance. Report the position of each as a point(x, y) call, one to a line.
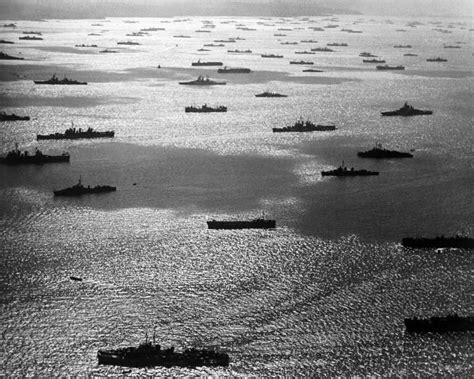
point(288, 43)
point(235, 70)
point(301, 62)
point(379, 152)
point(446, 324)
point(15, 157)
point(107, 51)
point(55, 81)
point(78, 190)
point(73, 133)
point(258, 223)
point(344, 171)
point(271, 56)
point(407, 110)
point(304, 52)
point(451, 47)
point(439, 242)
point(301, 126)
point(410, 55)
point(335, 44)
point(131, 43)
point(82, 45)
point(150, 355)
point(236, 51)
point(437, 59)
point(202, 81)
point(12, 117)
point(6, 42)
point(213, 45)
point(402, 46)
point(367, 55)
point(373, 60)
point(4, 56)
point(387, 67)
point(205, 109)
point(308, 41)
point(324, 49)
point(199, 63)
point(31, 38)
point(270, 94)
point(312, 70)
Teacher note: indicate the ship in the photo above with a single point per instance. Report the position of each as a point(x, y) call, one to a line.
point(436, 60)
point(270, 94)
point(205, 109)
point(107, 51)
point(402, 46)
point(16, 157)
point(31, 38)
point(4, 56)
point(451, 47)
point(236, 51)
point(410, 55)
point(199, 63)
point(301, 62)
point(304, 126)
point(335, 44)
point(439, 242)
point(6, 42)
point(127, 43)
point(55, 81)
point(387, 67)
point(202, 81)
point(12, 117)
point(271, 56)
point(150, 355)
point(308, 41)
point(257, 223)
point(407, 110)
point(312, 70)
point(367, 55)
point(324, 49)
point(304, 52)
point(288, 43)
point(78, 190)
point(235, 70)
point(379, 152)
point(446, 324)
point(213, 45)
point(82, 45)
point(373, 60)
point(73, 133)
point(344, 171)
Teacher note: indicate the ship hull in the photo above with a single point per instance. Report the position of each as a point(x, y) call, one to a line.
point(255, 224)
point(75, 136)
point(319, 128)
point(84, 191)
point(34, 159)
point(349, 173)
point(384, 154)
point(407, 114)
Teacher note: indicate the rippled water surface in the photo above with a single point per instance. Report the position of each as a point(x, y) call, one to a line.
point(326, 292)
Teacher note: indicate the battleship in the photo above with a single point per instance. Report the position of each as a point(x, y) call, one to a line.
point(205, 109)
point(301, 126)
point(344, 171)
point(55, 81)
point(202, 81)
point(12, 117)
point(199, 63)
point(301, 62)
point(437, 59)
point(258, 223)
point(4, 56)
point(379, 152)
point(150, 355)
point(446, 324)
point(407, 110)
point(16, 157)
point(373, 60)
point(235, 70)
point(78, 190)
point(73, 133)
point(387, 67)
point(439, 242)
point(270, 94)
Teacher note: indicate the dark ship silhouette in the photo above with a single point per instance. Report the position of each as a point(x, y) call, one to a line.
point(202, 81)
point(301, 62)
point(304, 126)
point(205, 109)
point(312, 70)
point(322, 49)
point(439, 242)
point(4, 56)
point(12, 117)
point(199, 63)
point(437, 59)
point(130, 43)
point(73, 133)
point(407, 110)
point(258, 223)
point(271, 56)
point(15, 157)
point(55, 80)
point(387, 67)
point(373, 60)
point(344, 171)
point(31, 38)
point(235, 70)
point(450, 323)
point(270, 94)
point(78, 190)
point(379, 152)
point(149, 355)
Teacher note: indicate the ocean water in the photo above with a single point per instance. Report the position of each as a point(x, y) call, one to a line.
point(326, 292)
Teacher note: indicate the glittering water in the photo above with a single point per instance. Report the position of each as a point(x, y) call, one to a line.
point(324, 294)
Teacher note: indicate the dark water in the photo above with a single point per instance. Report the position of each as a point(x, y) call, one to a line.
point(325, 294)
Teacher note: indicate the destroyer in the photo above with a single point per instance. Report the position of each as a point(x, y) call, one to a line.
point(78, 190)
point(439, 242)
point(258, 223)
point(450, 323)
point(55, 81)
point(205, 109)
point(344, 171)
point(73, 133)
point(379, 152)
point(304, 126)
point(149, 355)
point(202, 81)
point(407, 110)
point(15, 157)
point(12, 117)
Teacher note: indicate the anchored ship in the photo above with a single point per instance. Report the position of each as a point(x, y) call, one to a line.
point(304, 126)
point(127, 43)
point(450, 323)
point(78, 190)
point(239, 51)
point(202, 81)
point(387, 67)
point(271, 56)
point(312, 70)
point(436, 60)
point(235, 70)
point(15, 157)
point(367, 55)
point(149, 355)
point(270, 94)
point(5, 56)
point(73, 133)
point(344, 171)
point(199, 63)
point(379, 152)
point(407, 110)
point(323, 49)
point(373, 61)
point(31, 38)
point(56, 81)
point(301, 62)
point(258, 223)
point(12, 117)
point(439, 242)
point(205, 109)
